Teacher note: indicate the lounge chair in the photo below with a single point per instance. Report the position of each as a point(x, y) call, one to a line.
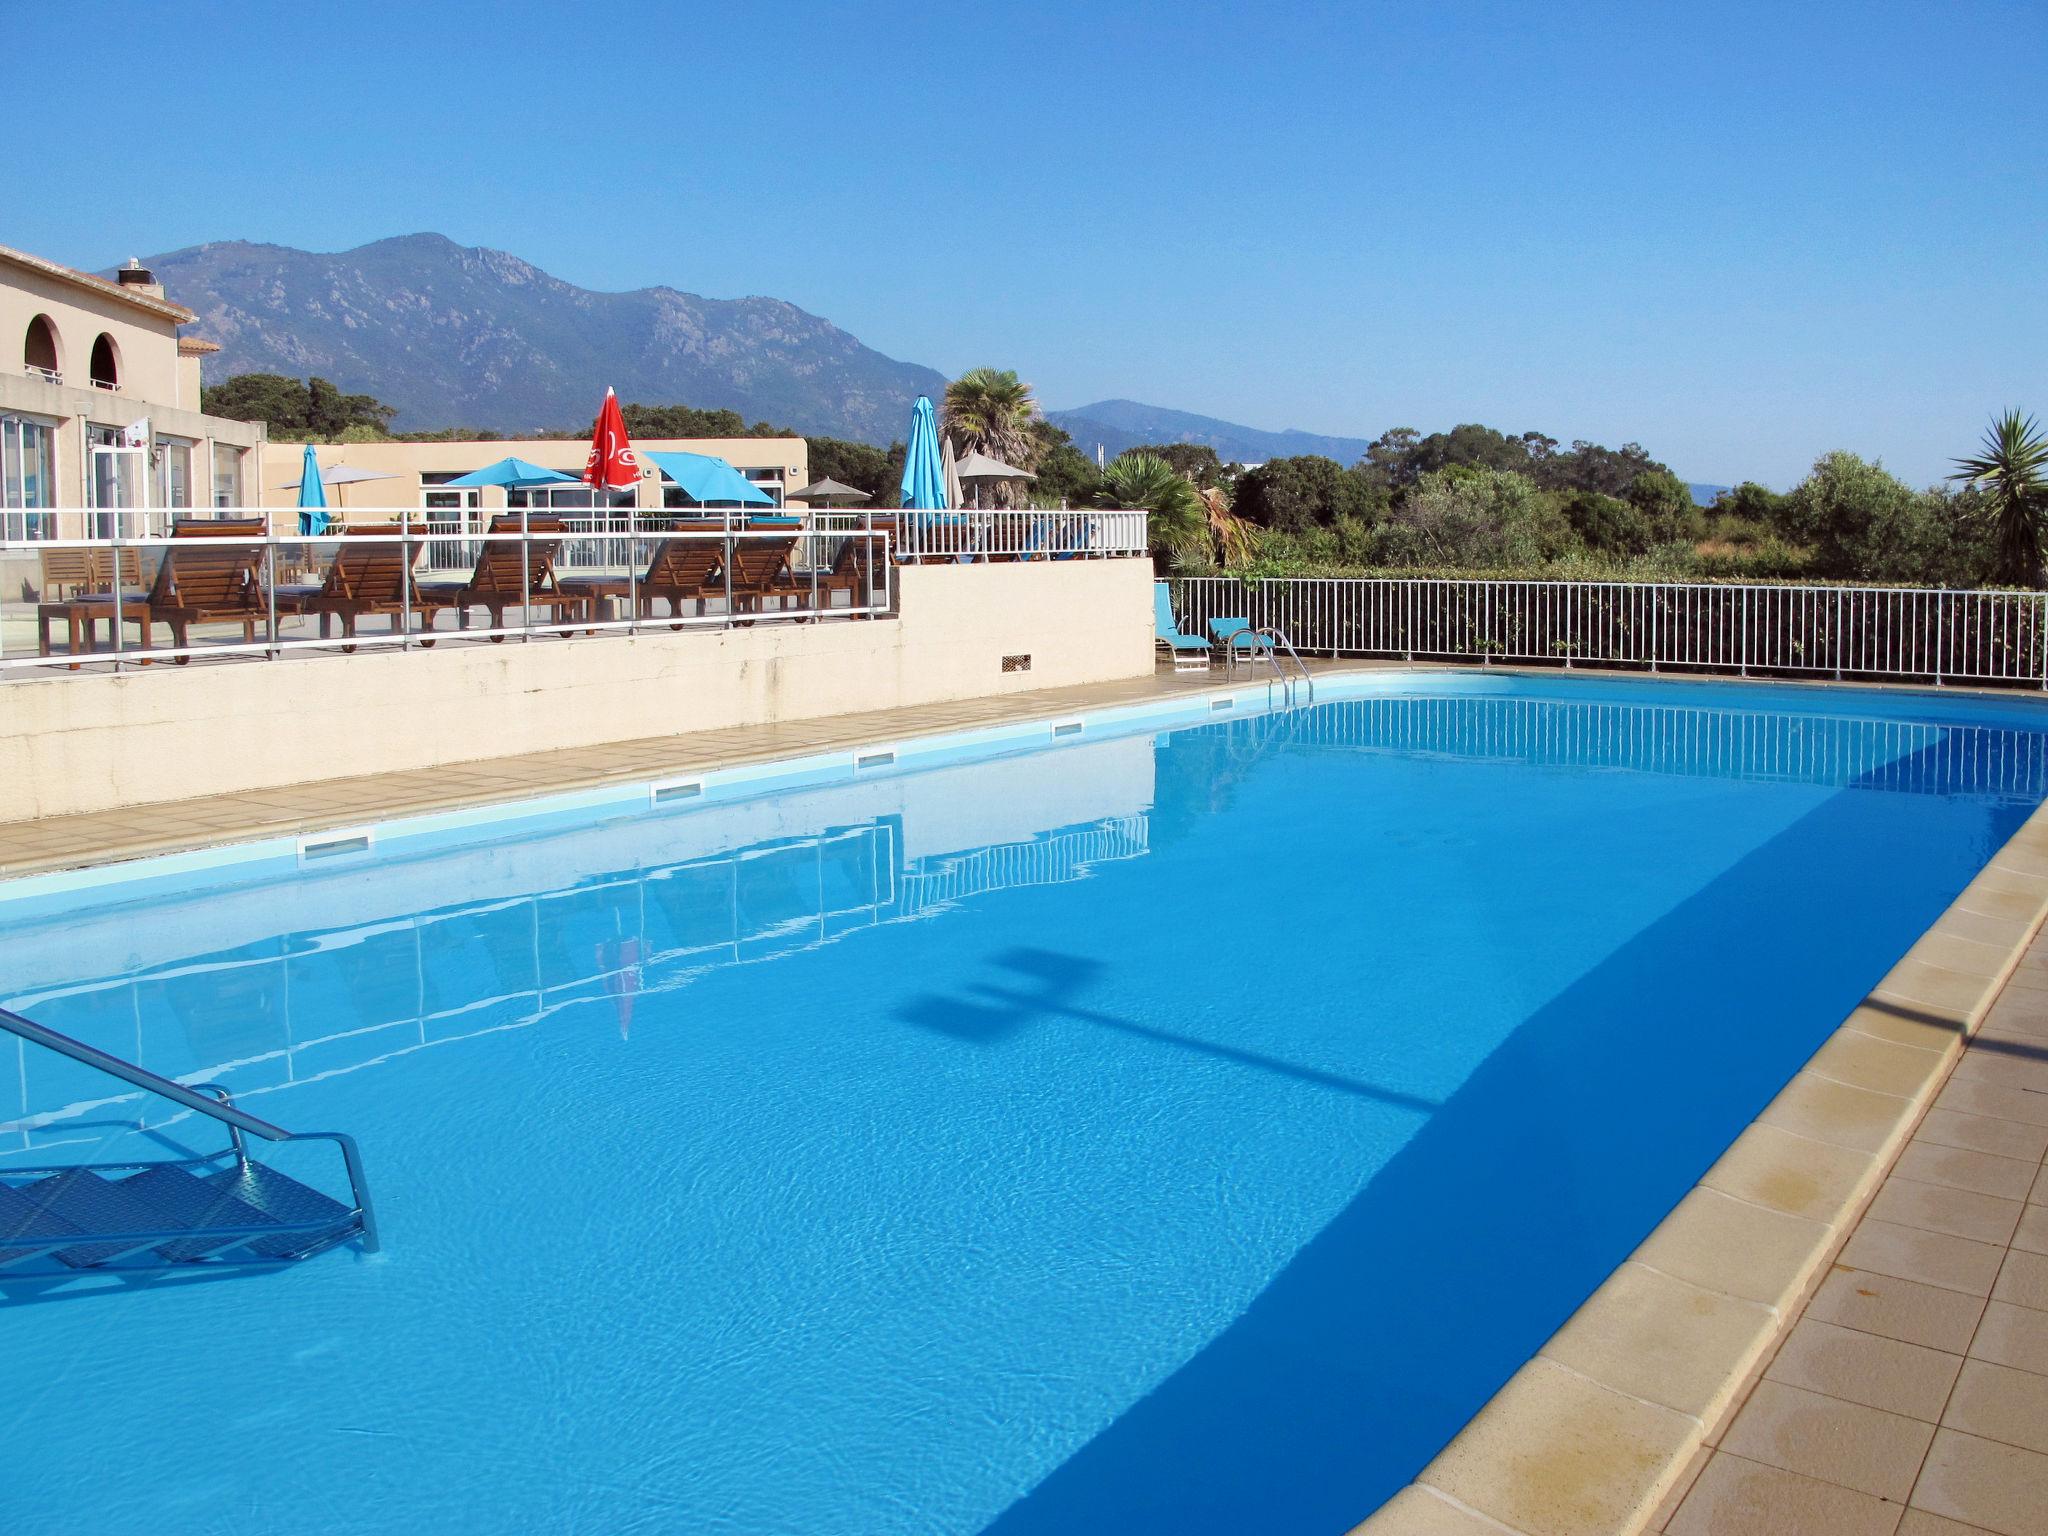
point(509, 574)
point(1189, 653)
point(85, 571)
point(852, 571)
point(760, 570)
point(679, 570)
point(1239, 640)
point(207, 572)
point(370, 577)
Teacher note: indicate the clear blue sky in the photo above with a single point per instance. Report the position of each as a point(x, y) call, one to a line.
point(1740, 234)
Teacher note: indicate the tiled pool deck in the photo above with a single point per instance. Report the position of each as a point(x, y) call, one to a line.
point(1895, 1219)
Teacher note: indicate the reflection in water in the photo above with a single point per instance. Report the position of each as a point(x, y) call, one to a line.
point(317, 1002)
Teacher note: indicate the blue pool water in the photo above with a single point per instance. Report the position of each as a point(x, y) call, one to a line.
point(1180, 1131)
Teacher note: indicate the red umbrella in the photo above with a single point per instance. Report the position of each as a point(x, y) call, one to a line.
point(612, 466)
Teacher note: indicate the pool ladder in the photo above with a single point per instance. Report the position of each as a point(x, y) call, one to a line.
point(218, 1210)
point(1276, 642)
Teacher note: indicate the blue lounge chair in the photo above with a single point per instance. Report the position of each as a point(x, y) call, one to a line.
point(1239, 640)
point(1190, 653)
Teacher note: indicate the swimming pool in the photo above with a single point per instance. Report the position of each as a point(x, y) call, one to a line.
point(1180, 1129)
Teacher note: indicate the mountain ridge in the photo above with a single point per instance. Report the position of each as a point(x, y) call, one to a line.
point(471, 336)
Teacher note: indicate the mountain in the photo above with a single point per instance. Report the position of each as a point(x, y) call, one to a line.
point(463, 336)
point(1116, 425)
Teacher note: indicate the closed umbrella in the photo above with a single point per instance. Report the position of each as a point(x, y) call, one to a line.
point(924, 472)
point(955, 497)
point(312, 496)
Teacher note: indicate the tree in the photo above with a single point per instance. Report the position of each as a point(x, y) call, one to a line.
point(1198, 461)
point(1590, 467)
point(1608, 524)
point(1754, 503)
point(992, 410)
point(860, 465)
point(267, 397)
point(1867, 525)
point(1666, 503)
point(1487, 518)
point(688, 421)
point(1178, 523)
point(2011, 471)
point(315, 409)
point(1299, 493)
point(1067, 477)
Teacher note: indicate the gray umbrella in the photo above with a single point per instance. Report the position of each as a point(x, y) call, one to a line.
point(824, 492)
point(978, 466)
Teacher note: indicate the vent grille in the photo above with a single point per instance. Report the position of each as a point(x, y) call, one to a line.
point(1068, 728)
point(881, 757)
point(671, 790)
point(334, 845)
point(1016, 663)
point(1216, 704)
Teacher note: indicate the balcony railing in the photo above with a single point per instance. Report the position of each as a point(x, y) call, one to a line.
point(84, 588)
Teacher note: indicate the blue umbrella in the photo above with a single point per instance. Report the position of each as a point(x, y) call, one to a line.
point(312, 496)
point(924, 471)
point(514, 474)
point(707, 479)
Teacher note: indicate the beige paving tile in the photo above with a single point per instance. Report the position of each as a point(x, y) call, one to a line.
point(1773, 1167)
point(2000, 1403)
point(1906, 1025)
point(2003, 931)
point(1738, 1497)
point(1946, 947)
point(1980, 1098)
point(1837, 1441)
point(1984, 1172)
point(2024, 1280)
point(1723, 1244)
point(2017, 1018)
point(1815, 1106)
point(2031, 1235)
point(1656, 1337)
point(1958, 1212)
point(1863, 1061)
point(1419, 1511)
point(1676, 1496)
point(2012, 1335)
point(1557, 1455)
point(1933, 1258)
point(1864, 1368)
point(2006, 1064)
point(1918, 1522)
point(1897, 1309)
point(2000, 1488)
point(1982, 1133)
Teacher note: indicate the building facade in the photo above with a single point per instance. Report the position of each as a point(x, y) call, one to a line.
point(414, 475)
point(99, 407)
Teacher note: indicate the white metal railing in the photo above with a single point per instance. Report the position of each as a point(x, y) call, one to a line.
point(1010, 534)
point(1884, 632)
point(223, 586)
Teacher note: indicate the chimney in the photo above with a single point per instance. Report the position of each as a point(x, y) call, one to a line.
point(135, 275)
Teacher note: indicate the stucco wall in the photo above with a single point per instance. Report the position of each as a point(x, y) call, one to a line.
point(87, 743)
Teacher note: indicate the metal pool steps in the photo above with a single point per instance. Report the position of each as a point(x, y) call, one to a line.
point(220, 1209)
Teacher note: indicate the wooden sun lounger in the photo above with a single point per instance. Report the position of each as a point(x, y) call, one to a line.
point(367, 578)
point(680, 570)
point(510, 575)
point(210, 577)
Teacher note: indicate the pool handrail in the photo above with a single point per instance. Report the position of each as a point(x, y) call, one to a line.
point(222, 1109)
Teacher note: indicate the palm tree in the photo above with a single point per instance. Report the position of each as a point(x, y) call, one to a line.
point(1179, 521)
point(2012, 471)
point(991, 409)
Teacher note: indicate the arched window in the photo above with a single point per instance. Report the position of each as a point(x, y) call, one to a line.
point(106, 363)
point(39, 350)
